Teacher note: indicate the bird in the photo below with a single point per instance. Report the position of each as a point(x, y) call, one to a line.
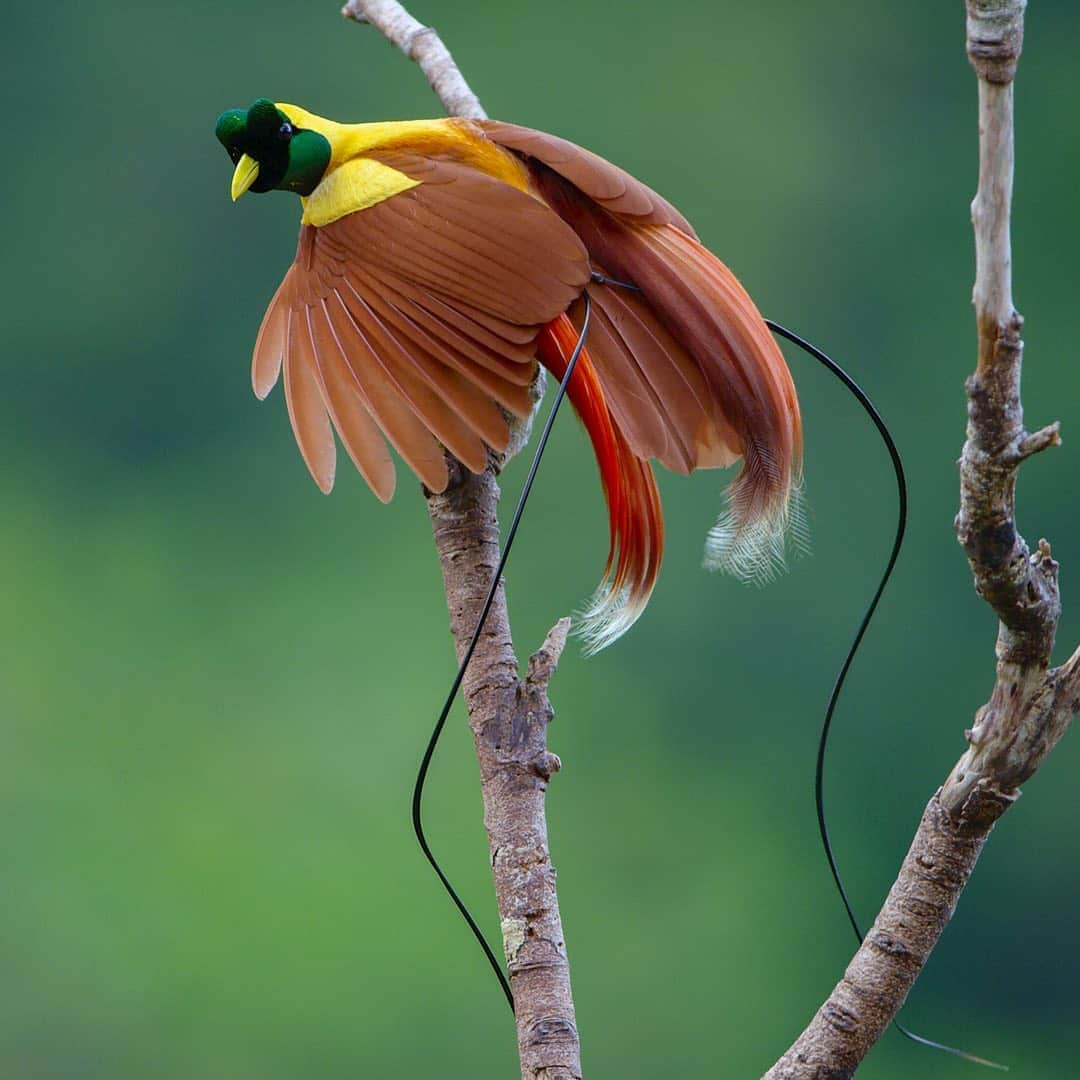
point(439, 262)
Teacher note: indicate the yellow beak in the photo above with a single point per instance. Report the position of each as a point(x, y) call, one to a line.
point(247, 172)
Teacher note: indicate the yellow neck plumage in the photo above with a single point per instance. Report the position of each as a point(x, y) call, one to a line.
point(354, 181)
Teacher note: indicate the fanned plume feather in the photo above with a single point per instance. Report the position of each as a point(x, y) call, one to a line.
point(636, 524)
point(757, 549)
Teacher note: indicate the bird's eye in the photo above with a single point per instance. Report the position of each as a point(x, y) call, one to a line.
point(286, 130)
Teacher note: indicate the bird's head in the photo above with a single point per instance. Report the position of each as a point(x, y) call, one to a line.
point(272, 150)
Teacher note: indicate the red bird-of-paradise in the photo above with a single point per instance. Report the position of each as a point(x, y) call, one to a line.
point(440, 260)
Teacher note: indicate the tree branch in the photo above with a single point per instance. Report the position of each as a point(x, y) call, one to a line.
point(423, 45)
point(1031, 706)
point(508, 715)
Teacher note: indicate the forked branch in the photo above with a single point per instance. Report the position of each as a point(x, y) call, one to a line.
point(1031, 705)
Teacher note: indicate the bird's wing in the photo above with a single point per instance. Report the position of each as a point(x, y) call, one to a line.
point(657, 389)
point(417, 316)
point(611, 187)
point(724, 390)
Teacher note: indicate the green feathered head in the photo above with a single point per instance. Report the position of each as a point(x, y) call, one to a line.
point(270, 152)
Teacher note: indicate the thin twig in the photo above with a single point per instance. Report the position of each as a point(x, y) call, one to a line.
point(508, 715)
point(422, 44)
point(1031, 705)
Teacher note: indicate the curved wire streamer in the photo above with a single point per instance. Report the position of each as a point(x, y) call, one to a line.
point(830, 709)
point(425, 763)
point(819, 773)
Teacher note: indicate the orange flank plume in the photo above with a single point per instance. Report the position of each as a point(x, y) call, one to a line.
point(636, 523)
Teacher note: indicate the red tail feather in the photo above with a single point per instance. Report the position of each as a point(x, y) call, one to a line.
point(636, 521)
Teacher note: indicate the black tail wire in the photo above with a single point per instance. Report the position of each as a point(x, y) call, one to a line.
point(425, 763)
point(823, 740)
point(819, 772)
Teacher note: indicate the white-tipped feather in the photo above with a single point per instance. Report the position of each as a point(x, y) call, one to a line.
point(606, 617)
point(756, 552)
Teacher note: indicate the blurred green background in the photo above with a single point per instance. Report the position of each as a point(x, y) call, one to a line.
point(216, 683)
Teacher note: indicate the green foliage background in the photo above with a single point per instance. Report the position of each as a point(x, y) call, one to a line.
point(215, 683)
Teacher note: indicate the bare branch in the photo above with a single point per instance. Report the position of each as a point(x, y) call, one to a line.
point(509, 718)
point(1031, 706)
point(1039, 440)
point(423, 45)
point(508, 715)
point(894, 952)
point(543, 662)
point(1067, 683)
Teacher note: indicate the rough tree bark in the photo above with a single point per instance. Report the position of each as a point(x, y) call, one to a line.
point(1031, 704)
point(508, 715)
